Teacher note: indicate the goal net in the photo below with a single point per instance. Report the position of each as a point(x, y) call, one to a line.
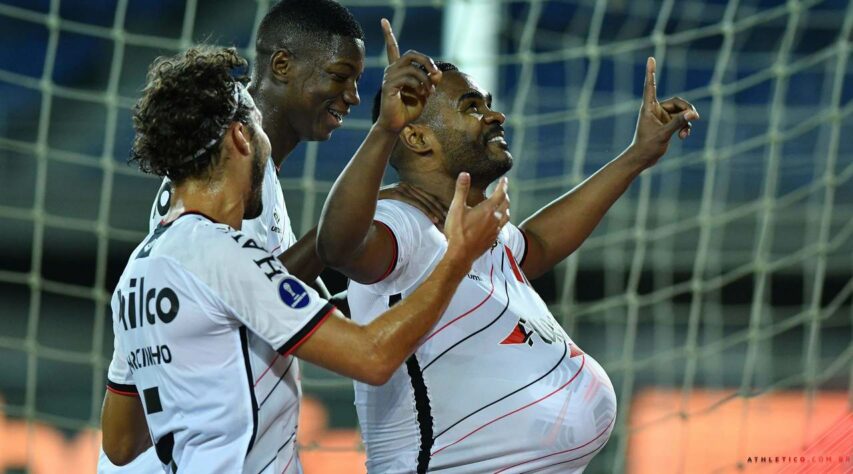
point(717, 293)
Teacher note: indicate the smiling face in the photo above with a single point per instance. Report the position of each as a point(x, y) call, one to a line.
point(469, 132)
point(323, 85)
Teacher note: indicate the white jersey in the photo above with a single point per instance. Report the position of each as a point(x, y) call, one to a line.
point(273, 229)
point(183, 310)
point(496, 386)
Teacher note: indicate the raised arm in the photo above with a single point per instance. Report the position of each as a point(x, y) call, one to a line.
point(561, 227)
point(372, 353)
point(348, 239)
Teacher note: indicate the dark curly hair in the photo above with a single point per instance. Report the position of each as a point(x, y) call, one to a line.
point(184, 109)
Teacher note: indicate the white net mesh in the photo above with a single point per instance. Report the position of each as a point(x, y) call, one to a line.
point(721, 279)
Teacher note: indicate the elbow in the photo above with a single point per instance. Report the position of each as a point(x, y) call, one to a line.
point(383, 373)
point(118, 454)
point(379, 368)
point(331, 251)
point(377, 377)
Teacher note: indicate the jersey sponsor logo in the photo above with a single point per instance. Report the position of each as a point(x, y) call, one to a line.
point(292, 293)
point(543, 326)
point(141, 306)
point(519, 335)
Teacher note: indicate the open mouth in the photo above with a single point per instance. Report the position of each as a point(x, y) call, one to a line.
point(338, 116)
point(498, 140)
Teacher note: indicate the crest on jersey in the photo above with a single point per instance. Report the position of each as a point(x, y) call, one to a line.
point(292, 293)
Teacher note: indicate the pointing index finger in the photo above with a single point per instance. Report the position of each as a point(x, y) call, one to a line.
point(650, 92)
point(391, 47)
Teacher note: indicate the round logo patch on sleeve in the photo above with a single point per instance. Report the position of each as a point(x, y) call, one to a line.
point(292, 293)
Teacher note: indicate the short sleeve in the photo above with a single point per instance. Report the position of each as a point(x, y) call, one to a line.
point(161, 204)
point(407, 227)
point(259, 293)
point(119, 378)
point(515, 239)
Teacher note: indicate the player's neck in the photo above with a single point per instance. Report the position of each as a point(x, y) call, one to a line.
point(283, 138)
point(217, 201)
point(443, 187)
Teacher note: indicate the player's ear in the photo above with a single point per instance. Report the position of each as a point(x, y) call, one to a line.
point(240, 137)
point(417, 138)
point(281, 65)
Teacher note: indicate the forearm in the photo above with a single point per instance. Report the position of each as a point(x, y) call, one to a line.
point(562, 226)
point(301, 259)
point(349, 209)
point(396, 333)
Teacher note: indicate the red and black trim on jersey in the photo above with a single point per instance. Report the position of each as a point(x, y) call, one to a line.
point(394, 255)
point(307, 330)
point(283, 375)
point(122, 389)
point(478, 331)
point(504, 397)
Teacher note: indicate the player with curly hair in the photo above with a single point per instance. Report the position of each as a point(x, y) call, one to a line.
point(192, 293)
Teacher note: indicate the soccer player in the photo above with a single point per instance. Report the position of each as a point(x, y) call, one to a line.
point(309, 58)
point(497, 385)
point(181, 377)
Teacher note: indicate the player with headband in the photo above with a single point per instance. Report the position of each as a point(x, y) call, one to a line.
point(181, 377)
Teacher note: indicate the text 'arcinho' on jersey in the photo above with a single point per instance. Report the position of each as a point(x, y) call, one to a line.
point(183, 311)
point(496, 386)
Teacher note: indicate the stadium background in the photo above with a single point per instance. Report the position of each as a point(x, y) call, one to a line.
point(717, 292)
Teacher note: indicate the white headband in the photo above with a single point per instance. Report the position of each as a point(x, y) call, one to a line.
point(240, 96)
